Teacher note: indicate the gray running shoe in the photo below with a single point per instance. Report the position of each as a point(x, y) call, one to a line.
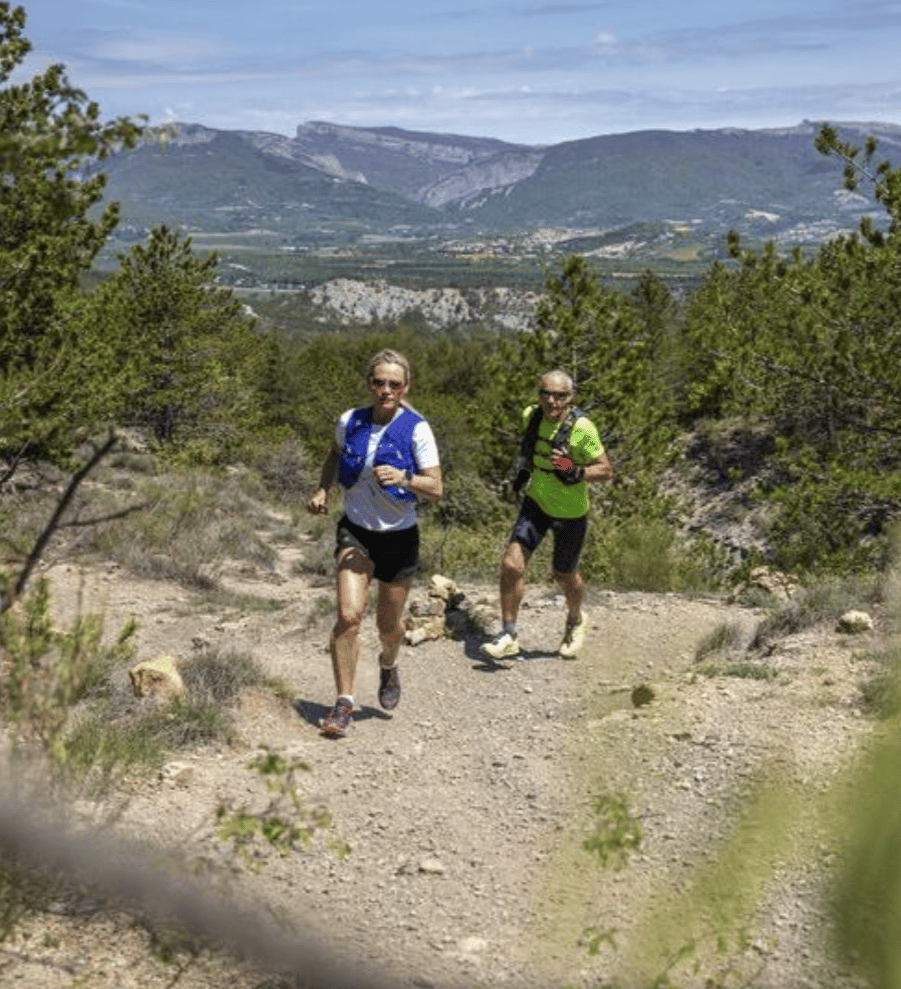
point(337, 721)
point(389, 687)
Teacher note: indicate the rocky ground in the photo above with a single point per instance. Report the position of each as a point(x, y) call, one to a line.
point(466, 810)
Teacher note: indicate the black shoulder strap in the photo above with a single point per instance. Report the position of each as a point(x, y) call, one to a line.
point(527, 445)
point(561, 437)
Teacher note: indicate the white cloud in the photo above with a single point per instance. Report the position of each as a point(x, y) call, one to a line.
point(605, 40)
point(160, 49)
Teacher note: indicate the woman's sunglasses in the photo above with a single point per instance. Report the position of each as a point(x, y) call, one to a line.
point(384, 382)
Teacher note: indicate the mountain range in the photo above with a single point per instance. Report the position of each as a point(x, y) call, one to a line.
point(336, 184)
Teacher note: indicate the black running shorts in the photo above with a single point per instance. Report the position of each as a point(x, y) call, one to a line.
point(569, 535)
point(394, 553)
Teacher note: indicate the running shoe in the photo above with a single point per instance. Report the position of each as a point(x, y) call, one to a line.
point(573, 638)
point(389, 687)
point(337, 721)
point(503, 646)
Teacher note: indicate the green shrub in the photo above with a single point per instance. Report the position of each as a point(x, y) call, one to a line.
point(49, 671)
point(469, 503)
point(644, 555)
point(103, 749)
point(463, 553)
point(823, 526)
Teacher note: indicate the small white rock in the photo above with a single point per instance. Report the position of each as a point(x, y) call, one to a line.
point(472, 945)
point(854, 623)
point(178, 774)
point(432, 867)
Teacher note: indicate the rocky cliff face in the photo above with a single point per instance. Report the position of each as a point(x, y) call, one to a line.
point(356, 302)
point(464, 166)
point(495, 173)
point(428, 168)
point(454, 150)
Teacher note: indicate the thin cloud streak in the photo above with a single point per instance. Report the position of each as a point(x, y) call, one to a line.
point(698, 47)
point(526, 72)
point(185, 56)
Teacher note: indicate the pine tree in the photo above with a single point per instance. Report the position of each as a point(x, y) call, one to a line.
point(807, 351)
point(195, 361)
point(51, 355)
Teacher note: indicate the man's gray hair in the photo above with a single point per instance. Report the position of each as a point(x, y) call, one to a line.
point(558, 373)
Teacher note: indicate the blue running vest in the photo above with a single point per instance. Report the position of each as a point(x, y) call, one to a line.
point(395, 448)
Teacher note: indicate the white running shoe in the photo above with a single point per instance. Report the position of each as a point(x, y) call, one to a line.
point(573, 638)
point(503, 646)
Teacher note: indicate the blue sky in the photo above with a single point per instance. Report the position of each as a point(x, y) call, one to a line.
point(528, 71)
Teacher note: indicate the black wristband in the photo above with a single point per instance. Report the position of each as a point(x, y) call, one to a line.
point(570, 476)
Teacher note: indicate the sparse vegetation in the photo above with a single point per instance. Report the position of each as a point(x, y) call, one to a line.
point(46, 672)
point(617, 831)
point(741, 671)
point(182, 526)
point(725, 638)
point(822, 602)
point(880, 693)
point(56, 691)
point(285, 824)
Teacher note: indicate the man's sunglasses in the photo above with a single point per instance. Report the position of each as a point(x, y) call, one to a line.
point(559, 395)
point(384, 382)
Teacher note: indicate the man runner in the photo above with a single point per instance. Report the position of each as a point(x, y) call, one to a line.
point(564, 456)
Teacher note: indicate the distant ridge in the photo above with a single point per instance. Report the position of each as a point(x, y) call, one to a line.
point(334, 180)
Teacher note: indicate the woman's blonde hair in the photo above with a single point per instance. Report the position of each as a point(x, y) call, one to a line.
point(389, 356)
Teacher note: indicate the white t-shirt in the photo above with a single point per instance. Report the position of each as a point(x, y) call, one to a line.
point(367, 503)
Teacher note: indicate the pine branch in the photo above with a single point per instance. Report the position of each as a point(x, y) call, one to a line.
point(53, 524)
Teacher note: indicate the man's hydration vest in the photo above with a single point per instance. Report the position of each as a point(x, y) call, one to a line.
point(525, 464)
point(395, 448)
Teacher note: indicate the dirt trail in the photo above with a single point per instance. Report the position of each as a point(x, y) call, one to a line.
point(466, 809)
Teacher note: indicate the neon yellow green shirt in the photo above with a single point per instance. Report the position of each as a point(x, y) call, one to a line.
point(559, 500)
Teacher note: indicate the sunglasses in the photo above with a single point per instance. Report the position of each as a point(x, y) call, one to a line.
point(559, 395)
point(386, 383)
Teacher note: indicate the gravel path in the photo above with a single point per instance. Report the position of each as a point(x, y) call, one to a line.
point(467, 808)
